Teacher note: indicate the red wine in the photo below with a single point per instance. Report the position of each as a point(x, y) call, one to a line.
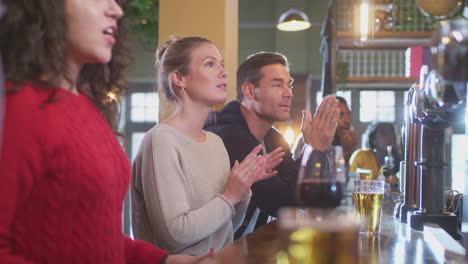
point(321, 194)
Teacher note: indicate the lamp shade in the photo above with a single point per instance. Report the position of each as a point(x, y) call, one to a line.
point(293, 20)
point(439, 9)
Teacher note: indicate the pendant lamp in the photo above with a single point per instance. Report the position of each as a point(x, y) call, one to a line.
point(293, 20)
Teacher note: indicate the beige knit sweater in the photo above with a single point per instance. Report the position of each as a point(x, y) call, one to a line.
point(175, 192)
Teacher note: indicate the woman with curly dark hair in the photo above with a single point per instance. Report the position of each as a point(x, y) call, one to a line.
point(379, 139)
point(64, 174)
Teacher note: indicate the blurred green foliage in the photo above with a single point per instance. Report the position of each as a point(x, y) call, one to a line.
point(143, 19)
point(342, 71)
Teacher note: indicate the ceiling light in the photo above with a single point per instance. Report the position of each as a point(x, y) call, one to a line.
point(293, 20)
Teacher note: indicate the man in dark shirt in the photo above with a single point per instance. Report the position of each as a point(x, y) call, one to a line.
point(264, 94)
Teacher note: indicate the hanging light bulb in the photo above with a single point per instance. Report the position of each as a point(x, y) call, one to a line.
point(293, 20)
point(363, 22)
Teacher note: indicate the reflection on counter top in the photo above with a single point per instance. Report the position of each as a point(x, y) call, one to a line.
point(397, 243)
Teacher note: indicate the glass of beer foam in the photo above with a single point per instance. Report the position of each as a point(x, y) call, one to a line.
point(365, 174)
point(312, 236)
point(367, 198)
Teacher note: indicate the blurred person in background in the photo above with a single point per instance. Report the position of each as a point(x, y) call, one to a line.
point(345, 135)
point(64, 174)
point(380, 145)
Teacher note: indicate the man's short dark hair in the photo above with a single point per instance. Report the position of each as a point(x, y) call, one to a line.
point(249, 70)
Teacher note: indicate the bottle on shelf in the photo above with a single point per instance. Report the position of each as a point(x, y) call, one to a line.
point(388, 169)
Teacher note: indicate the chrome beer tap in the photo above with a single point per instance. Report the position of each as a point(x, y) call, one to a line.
point(438, 101)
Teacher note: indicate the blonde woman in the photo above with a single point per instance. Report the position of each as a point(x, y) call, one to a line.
point(185, 197)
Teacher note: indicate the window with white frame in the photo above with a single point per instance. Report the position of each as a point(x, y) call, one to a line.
point(377, 106)
point(405, 107)
point(137, 137)
point(459, 161)
point(144, 107)
point(141, 110)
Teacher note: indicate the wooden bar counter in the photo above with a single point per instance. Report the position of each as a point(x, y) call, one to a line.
point(397, 243)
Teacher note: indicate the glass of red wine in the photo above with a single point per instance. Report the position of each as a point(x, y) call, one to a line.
point(322, 178)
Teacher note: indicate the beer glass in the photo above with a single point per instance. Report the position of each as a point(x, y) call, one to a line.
point(322, 177)
point(318, 236)
point(367, 198)
point(364, 174)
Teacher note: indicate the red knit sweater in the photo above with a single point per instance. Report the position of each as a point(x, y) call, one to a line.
point(63, 177)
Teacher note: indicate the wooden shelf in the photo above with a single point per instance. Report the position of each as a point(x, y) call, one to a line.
point(390, 34)
point(385, 40)
point(378, 83)
point(381, 79)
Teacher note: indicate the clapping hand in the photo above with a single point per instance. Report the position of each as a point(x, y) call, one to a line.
point(320, 130)
point(253, 168)
point(273, 159)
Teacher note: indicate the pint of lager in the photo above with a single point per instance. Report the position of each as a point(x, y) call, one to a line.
point(367, 198)
point(318, 236)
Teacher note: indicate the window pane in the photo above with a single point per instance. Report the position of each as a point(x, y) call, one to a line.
point(151, 114)
point(136, 141)
point(386, 98)
point(145, 107)
point(123, 114)
point(138, 114)
point(405, 98)
point(151, 100)
point(367, 98)
point(458, 158)
point(377, 106)
point(386, 114)
point(138, 99)
point(367, 114)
